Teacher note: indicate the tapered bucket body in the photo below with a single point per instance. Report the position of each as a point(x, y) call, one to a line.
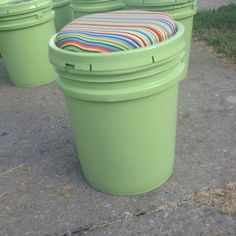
point(25, 29)
point(64, 13)
point(84, 7)
point(123, 109)
point(182, 11)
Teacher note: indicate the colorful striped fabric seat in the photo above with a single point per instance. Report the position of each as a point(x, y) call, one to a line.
point(116, 31)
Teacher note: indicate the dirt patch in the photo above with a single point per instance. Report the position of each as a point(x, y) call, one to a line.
point(220, 56)
point(24, 187)
point(224, 200)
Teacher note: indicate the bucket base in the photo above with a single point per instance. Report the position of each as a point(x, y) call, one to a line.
point(33, 84)
point(130, 193)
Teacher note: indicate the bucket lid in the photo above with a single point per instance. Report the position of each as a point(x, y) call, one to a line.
point(14, 7)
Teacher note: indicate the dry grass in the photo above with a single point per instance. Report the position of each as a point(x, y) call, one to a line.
point(24, 187)
point(22, 167)
point(224, 200)
point(65, 190)
point(44, 180)
point(3, 195)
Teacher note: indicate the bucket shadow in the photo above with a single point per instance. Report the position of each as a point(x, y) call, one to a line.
point(4, 76)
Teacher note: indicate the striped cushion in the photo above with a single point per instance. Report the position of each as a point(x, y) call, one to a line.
point(116, 31)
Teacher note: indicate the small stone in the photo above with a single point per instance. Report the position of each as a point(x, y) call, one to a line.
point(231, 99)
point(4, 134)
point(151, 221)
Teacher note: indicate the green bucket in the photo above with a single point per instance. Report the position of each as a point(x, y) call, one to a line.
point(25, 29)
point(123, 108)
point(64, 13)
point(84, 7)
point(182, 11)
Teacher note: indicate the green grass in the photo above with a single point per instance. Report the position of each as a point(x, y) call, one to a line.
point(218, 28)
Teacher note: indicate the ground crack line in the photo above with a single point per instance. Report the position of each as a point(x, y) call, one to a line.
point(223, 200)
point(128, 216)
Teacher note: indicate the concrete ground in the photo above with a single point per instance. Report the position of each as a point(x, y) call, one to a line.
point(43, 192)
point(208, 4)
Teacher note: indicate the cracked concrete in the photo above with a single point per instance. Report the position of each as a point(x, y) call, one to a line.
point(194, 220)
point(35, 133)
point(164, 220)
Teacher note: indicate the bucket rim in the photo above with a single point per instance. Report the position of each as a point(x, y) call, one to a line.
point(34, 20)
point(94, 1)
point(60, 3)
point(7, 10)
point(92, 62)
point(111, 6)
point(190, 9)
point(161, 4)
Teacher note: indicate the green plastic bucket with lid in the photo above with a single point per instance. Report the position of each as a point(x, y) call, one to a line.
point(63, 11)
point(182, 11)
point(25, 29)
point(123, 108)
point(84, 7)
